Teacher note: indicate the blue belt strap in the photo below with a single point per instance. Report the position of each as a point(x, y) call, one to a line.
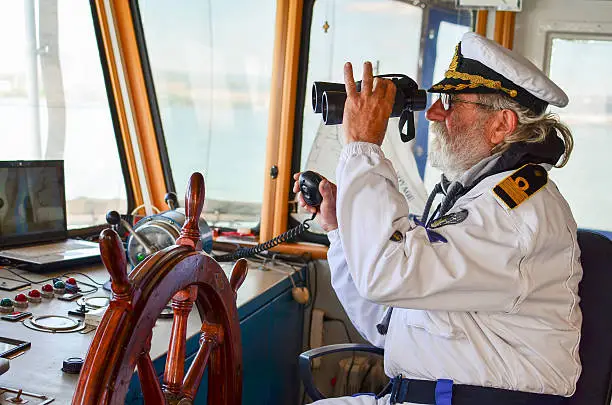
point(444, 392)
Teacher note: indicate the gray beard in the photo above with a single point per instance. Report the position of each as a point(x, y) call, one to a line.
point(454, 156)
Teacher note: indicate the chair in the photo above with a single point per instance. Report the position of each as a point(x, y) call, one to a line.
point(595, 384)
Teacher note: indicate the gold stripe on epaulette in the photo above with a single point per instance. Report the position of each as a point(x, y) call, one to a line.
point(475, 81)
point(521, 185)
point(515, 188)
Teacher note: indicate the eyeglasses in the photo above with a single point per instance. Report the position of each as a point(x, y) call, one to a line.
point(447, 100)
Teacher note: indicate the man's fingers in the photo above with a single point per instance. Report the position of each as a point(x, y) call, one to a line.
point(349, 80)
point(380, 86)
point(301, 201)
point(303, 204)
point(296, 186)
point(324, 189)
point(367, 81)
point(390, 91)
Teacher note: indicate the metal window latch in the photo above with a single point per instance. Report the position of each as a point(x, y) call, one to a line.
point(274, 172)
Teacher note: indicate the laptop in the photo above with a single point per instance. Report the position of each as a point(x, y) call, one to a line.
point(33, 229)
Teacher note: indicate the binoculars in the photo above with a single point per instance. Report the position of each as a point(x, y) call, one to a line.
point(329, 98)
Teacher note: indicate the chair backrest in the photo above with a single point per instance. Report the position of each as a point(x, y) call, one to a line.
point(595, 383)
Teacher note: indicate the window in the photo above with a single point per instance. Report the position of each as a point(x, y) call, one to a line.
point(53, 103)
point(386, 33)
point(589, 116)
point(212, 66)
point(447, 34)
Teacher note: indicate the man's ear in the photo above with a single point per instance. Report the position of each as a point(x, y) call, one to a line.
point(504, 124)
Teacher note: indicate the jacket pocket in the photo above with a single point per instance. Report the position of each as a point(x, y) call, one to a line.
point(437, 323)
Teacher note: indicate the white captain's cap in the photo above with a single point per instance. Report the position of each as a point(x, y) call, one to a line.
point(483, 66)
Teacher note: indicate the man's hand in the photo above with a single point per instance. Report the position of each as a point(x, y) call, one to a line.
point(326, 213)
point(366, 113)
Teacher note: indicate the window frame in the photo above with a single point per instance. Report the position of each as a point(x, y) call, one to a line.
point(155, 112)
point(287, 104)
point(569, 35)
point(126, 82)
point(274, 213)
point(300, 104)
point(112, 105)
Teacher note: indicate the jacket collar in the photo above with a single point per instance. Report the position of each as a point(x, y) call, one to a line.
point(519, 154)
point(545, 153)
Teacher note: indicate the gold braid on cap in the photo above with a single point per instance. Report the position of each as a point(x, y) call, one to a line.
point(474, 80)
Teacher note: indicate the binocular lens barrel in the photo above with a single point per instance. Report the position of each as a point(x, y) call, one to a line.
point(318, 88)
point(329, 98)
point(419, 101)
point(333, 107)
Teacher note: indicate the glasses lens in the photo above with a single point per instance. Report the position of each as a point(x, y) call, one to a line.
point(445, 99)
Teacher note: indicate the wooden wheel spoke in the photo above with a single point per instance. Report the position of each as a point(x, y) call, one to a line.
point(151, 389)
point(122, 341)
point(182, 303)
point(211, 337)
point(239, 273)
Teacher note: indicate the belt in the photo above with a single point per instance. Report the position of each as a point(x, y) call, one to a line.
point(444, 392)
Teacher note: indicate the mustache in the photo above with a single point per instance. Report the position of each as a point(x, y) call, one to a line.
point(438, 128)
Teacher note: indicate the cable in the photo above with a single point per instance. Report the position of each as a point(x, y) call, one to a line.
point(311, 305)
point(348, 336)
point(365, 376)
point(93, 288)
point(313, 296)
point(84, 275)
point(252, 251)
point(153, 208)
point(53, 278)
point(330, 319)
point(27, 279)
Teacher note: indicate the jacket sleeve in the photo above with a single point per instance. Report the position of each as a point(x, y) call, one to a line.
point(363, 313)
point(477, 269)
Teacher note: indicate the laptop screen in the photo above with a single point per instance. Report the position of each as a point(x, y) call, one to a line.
point(32, 202)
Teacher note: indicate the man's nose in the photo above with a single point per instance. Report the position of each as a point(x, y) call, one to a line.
point(436, 112)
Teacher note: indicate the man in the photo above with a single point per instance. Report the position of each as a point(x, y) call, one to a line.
point(483, 288)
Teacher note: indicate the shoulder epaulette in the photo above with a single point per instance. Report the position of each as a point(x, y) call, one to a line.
point(520, 185)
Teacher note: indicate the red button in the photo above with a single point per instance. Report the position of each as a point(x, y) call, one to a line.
point(47, 288)
point(21, 298)
point(71, 281)
point(34, 293)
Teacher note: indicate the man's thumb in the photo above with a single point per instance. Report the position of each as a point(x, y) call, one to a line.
point(325, 189)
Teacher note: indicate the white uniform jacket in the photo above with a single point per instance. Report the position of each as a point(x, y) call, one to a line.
point(496, 305)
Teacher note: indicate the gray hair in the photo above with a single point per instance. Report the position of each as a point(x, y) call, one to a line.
point(531, 127)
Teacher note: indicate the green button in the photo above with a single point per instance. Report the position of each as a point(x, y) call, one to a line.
point(140, 257)
point(6, 302)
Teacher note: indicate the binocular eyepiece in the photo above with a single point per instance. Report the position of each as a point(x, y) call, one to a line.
point(329, 98)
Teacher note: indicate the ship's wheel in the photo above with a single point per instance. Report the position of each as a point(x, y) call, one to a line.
point(184, 275)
